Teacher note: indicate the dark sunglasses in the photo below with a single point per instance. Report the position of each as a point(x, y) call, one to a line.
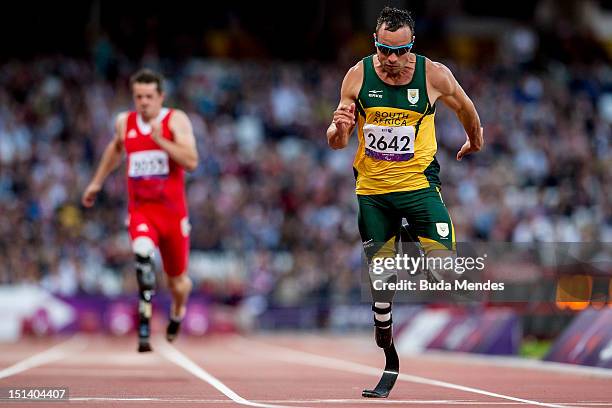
point(389, 49)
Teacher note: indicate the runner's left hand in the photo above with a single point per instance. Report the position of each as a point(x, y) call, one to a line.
point(467, 148)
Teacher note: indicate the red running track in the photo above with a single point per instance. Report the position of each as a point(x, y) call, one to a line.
point(296, 370)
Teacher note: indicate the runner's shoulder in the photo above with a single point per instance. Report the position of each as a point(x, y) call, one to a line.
point(354, 78)
point(439, 76)
point(121, 119)
point(121, 125)
point(179, 114)
point(356, 71)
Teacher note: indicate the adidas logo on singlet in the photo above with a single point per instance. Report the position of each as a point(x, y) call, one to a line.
point(375, 94)
point(132, 134)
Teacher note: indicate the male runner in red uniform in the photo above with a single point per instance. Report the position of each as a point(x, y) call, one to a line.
point(160, 145)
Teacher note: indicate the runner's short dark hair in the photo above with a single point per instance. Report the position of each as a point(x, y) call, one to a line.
point(148, 76)
point(394, 19)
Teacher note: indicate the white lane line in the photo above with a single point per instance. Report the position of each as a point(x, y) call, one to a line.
point(292, 401)
point(316, 401)
point(55, 353)
point(305, 358)
point(173, 355)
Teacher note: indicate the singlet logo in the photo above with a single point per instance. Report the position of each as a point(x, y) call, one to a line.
point(142, 228)
point(413, 95)
point(442, 228)
point(375, 94)
point(185, 227)
point(132, 134)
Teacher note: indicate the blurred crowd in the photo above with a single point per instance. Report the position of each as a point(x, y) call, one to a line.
point(268, 189)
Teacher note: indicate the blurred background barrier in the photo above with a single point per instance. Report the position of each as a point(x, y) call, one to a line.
point(491, 331)
point(588, 340)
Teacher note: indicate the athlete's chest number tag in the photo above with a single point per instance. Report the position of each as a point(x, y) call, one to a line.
point(390, 143)
point(148, 163)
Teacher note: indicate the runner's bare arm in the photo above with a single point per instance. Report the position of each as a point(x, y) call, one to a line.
point(183, 148)
point(343, 122)
point(111, 159)
point(445, 87)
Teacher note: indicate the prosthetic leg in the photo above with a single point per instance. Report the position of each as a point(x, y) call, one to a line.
point(145, 274)
point(384, 339)
point(383, 333)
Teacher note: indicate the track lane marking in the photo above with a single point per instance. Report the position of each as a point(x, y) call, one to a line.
point(55, 353)
point(173, 355)
point(312, 359)
point(316, 401)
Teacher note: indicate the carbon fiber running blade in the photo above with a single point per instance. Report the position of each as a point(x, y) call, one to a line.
point(389, 376)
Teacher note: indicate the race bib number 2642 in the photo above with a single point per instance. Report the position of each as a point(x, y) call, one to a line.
point(389, 143)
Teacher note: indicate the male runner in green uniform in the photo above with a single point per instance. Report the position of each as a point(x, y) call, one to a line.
point(390, 96)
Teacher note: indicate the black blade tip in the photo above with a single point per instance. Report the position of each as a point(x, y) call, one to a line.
point(374, 394)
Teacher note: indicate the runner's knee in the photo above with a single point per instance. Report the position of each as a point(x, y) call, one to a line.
point(143, 246)
point(180, 284)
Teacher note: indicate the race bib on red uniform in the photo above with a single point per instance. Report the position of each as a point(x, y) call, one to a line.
point(148, 163)
point(389, 143)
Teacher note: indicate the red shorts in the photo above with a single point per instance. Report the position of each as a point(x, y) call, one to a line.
point(167, 229)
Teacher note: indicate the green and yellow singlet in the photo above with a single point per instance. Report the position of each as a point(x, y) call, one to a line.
point(397, 138)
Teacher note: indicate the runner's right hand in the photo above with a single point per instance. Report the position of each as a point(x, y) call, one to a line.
point(344, 117)
point(89, 196)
